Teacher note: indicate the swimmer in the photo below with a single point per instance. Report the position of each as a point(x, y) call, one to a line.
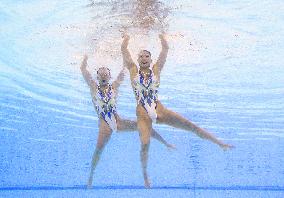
point(104, 99)
point(145, 81)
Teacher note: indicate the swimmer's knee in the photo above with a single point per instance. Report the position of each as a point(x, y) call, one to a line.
point(145, 147)
point(99, 147)
point(98, 150)
point(102, 143)
point(119, 127)
point(145, 140)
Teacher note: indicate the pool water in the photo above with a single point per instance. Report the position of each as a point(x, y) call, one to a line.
point(224, 72)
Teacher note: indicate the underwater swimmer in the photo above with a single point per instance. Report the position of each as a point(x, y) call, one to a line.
point(104, 99)
point(145, 81)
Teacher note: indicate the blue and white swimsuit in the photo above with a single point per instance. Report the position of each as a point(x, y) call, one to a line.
point(106, 107)
point(146, 91)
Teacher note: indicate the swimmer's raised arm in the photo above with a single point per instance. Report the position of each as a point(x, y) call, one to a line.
point(86, 74)
point(127, 60)
point(118, 80)
point(163, 54)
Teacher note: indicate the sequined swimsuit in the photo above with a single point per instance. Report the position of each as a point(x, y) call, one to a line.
point(146, 91)
point(106, 107)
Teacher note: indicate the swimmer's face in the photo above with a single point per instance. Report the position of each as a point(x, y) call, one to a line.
point(144, 59)
point(103, 75)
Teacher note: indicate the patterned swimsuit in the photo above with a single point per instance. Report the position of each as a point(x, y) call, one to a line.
point(146, 91)
point(106, 107)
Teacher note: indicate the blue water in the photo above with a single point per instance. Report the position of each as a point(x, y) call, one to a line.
point(224, 72)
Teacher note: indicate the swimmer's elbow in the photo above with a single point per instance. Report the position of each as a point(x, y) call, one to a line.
point(82, 70)
point(128, 65)
point(165, 49)
point(83, 66)
point(124, 47)
point(124, 52)
point(166, 46)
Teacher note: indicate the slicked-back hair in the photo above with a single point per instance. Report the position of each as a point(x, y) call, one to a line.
point(103, 68)
point(146, 51)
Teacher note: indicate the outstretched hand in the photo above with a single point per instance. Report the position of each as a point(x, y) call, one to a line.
point(125, 36)
point(162, 37)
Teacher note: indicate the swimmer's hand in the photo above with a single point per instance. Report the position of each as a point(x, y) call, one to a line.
point(125, 36)
point(226, 147)
point(162, 36)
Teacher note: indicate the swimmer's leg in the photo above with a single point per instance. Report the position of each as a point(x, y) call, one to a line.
point(157, 136)
point(103, 138)
point(171, 118)
point(129, 125)
point(144, 124)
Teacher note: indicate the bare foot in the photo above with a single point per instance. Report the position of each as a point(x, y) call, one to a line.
point(89, 185)
point(147, 183)
point(171, 146)
point(226, 147)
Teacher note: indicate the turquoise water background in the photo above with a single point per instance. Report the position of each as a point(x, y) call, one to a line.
point(224, 71)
